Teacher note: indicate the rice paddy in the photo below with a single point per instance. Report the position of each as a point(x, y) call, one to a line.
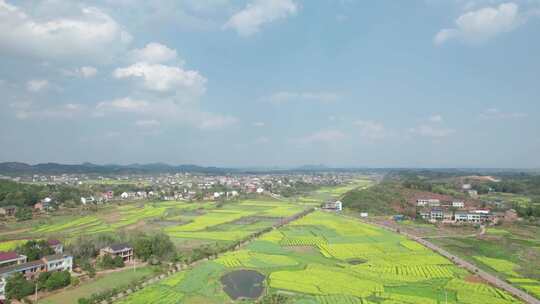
point(390, 269)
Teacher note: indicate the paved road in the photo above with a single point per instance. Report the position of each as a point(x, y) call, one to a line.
point(493, 280)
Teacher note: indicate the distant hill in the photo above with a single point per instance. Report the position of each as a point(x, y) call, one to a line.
point(87, 168)
point(18, 168)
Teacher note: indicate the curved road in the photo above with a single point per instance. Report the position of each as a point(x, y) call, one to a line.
point(493, 280)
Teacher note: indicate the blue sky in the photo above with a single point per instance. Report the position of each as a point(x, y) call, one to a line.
point(271, 82)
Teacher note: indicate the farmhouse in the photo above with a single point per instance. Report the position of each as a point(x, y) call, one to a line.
point(8, 210)
point(458, 204)
point(334, 206)
point(11, 258)
point(31, 270)
point(88, 200)
point(58, 262)
point(56, 246)
point(122, 250)
point(431, 202)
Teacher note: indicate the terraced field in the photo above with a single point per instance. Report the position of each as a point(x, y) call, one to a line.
point(327, 258)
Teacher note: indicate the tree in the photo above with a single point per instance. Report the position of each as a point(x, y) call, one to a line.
point(58, 280)
point(86, 266)
point(17, 287)
point(162, 245)
point(143, 248)
point(118, 262)
point(35, 250)
point(42, 279)
point(23, 214)
point(109, 262)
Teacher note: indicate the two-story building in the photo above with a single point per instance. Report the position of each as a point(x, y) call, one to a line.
point(31, 270)
point(333, 206)
point(122, 250)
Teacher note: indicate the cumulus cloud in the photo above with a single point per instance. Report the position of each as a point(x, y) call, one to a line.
point(494, 113)
point(92, 34)
point(285, 97)
point(371, 129)
point(259, 12)
point(162, 78)
point(430, 131)
point(37, 85)
point(483, 24)
point(153, 53)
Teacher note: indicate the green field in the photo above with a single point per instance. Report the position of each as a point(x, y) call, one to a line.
point(184, 222)
point(511, 252)
point(99, 284)
point(328, 258)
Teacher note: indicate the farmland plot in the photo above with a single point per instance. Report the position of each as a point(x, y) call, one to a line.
point(387, 268)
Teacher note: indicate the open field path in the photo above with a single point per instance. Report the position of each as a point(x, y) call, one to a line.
point(493, 280)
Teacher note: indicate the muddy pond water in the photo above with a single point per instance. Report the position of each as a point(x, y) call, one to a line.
point(246, 284)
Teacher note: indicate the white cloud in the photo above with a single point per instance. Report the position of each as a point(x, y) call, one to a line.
point(258, 124)
point(147, 111)
point(37, 85)
point(84, 72)
point(495, 113)
point(26, 110)
point(125, 104)
point(91, 34)
point(158, 77)
point(435, 118)
point(325, 136)
point(259, 12)
point(285, 97)
point(147, 123)
point(430, 131)
point(153, 53)
point(483, 24)
point(371, 129)
point(88, 71)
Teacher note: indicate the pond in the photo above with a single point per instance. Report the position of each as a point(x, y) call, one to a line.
point(246, 284)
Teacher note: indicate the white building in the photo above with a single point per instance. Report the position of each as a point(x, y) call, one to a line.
point(458, 204)
point(336, 206)
point(58, 262)
point(421, 202)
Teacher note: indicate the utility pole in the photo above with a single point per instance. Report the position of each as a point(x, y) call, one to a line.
point(35, 294)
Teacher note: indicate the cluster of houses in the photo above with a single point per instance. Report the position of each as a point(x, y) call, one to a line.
point(11, 263)
point(456, 211)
